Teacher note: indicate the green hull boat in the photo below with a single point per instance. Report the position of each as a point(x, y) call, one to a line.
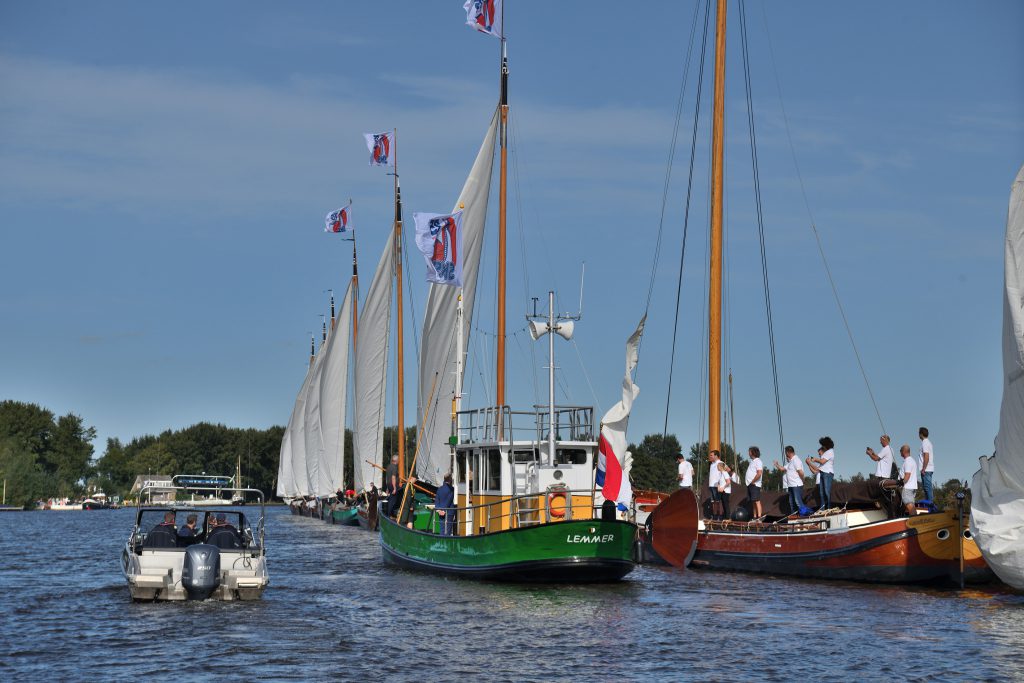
point(575, 551)
point(343, 516)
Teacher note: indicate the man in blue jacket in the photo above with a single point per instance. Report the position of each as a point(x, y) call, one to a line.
point(444, 505)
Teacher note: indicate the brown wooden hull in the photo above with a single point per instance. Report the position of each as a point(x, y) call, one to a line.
point(906, 550)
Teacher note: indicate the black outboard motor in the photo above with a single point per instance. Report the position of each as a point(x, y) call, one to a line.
point(200, 574)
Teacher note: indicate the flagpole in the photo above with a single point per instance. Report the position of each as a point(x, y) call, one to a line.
point(502, 206)
point(400, 364)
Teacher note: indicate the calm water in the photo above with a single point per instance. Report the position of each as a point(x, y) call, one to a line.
point(333, 611)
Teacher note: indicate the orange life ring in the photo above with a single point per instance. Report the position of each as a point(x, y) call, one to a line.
point(551, 508)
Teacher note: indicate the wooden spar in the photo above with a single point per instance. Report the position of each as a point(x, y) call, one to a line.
point(419, 440)
point(715, 267)
point(312, 349)
point(332, 309)
point(502, 204)
point(355, 293)
point(399, 353)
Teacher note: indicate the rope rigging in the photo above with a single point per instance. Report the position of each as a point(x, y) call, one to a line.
point(760, 217)
point(689, 194)
point(814, 228)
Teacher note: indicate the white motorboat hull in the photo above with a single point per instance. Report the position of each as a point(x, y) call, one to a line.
point(155, 574)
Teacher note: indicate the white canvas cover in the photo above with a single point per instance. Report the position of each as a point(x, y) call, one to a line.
point(997, 491)
point(333, 400)
point(438, 342)
point(371, 368)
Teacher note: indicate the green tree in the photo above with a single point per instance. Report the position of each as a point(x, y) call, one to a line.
point(70, 452)
point(29, 424)
point(654, 463)
point(25, 480)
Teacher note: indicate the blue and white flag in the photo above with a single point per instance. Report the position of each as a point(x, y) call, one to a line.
point(339, 220)
point(484, 16)
point(439, 238)
point(380, 146)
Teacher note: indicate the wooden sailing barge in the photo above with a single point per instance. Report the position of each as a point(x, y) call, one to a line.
point(861, 542)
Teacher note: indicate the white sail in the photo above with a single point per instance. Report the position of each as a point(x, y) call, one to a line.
point(313, 446)
point(997, 491)
point(371, 369)
point(291, 472)
point(438, 343)
point(334, 402)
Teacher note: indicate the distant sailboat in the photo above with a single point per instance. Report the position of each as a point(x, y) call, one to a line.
point(997, 491)
point(312, 460)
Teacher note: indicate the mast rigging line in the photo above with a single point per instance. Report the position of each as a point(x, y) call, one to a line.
point(689, 195)
point(814, 227)
point(760, 217)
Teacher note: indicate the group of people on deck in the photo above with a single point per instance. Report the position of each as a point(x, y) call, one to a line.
point(721, 477)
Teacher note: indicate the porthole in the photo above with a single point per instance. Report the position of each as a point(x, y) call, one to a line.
point(967, 534)
point(943, 534)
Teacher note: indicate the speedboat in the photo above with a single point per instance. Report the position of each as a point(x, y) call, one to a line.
point(194, 553)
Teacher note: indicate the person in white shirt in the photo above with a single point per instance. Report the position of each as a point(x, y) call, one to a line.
point(883, 458)
point(754, 479)
point(827, 461)
point(685, 476)
point(909, 480)
point(724, 487)
point(714, 474)
point(927, 462)
point(793, 479)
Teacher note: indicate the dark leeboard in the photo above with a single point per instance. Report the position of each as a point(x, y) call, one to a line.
point(673, 527)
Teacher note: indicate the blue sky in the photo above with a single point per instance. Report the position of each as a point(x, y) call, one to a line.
point(164, 171)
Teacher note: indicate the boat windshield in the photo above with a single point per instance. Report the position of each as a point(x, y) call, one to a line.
point(181, 528)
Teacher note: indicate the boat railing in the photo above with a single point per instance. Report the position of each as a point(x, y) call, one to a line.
point(501, 423)
point(523, 510)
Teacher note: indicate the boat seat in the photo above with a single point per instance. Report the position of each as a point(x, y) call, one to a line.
point(160, 537)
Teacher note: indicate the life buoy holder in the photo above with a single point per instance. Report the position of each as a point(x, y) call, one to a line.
point(556, 512)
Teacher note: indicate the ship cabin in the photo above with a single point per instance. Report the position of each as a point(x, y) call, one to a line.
point(513, 471)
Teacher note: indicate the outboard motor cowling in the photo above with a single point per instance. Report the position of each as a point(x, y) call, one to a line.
point(200, 573)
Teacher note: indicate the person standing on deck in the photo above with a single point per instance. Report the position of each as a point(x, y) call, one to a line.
point(713, 476)
point(724, 487)
point(909, 480)
point(753, 480)
point(391, 485)
point(793, 479)
point(827, 461)
point(883, 458)
point(685, 476)
point(444, 505)
point(927, 462)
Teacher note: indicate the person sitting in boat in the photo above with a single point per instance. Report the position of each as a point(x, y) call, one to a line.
point(444, 505)
point(163, 535)
point(223, 533)
point(793, 479)
point(883, 459)
point(910, 469)
point(187, 535)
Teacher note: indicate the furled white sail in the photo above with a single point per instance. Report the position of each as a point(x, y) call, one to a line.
point(371, 369)
point(438, 343)
point(997, 492)
point(332, 401)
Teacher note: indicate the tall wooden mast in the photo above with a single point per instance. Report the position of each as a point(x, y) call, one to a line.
point(399, 353)
point(715, 268)
point(502, 194)
point(355, 291)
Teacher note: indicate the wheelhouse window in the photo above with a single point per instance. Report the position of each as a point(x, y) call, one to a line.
point(571, 456)
point(494, 470)
point(460, 463)
point(521, 456)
